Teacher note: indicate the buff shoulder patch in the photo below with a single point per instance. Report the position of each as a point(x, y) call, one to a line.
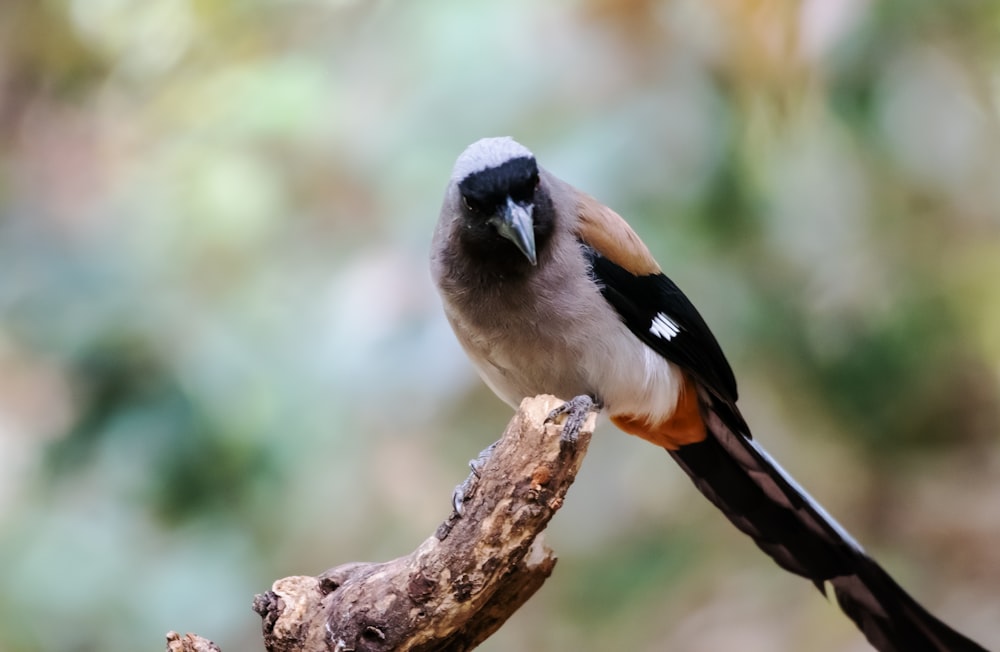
point(611, 236)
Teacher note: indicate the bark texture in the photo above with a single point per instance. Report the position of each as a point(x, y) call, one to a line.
point(462, 583)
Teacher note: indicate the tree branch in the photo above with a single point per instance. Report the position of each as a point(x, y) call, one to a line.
point(461, 584)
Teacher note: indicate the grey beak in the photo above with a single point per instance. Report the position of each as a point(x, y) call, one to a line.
point(516, 224)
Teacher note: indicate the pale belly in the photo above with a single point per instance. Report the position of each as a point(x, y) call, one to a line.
point(601, 359)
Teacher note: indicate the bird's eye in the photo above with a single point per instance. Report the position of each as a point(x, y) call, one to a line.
point(477, 206)
point(524, 192)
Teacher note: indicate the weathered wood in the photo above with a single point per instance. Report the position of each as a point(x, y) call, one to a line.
point(461, 584)
point(189, 643)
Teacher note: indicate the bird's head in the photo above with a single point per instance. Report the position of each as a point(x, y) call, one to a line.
point(503, 206)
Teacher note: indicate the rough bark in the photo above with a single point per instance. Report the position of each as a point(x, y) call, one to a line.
point(461, 584)
point(189, 643)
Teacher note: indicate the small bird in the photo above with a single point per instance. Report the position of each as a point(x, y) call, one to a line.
point(549, 291)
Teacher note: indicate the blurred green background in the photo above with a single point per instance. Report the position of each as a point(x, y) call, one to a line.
point(222, 360)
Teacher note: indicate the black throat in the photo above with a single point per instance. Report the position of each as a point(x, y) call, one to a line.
point(483, 195)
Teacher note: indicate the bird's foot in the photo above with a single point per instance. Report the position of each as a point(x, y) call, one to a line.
point(576, 411)
point(465, 490)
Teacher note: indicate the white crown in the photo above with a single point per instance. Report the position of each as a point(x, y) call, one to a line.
point(488, 153)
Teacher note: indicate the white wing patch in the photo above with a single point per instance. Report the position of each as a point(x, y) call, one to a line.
point(664, 327)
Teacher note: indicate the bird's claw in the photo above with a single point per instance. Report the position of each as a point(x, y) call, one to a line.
point(460, 494)
point(576, 411)
point(464, 491)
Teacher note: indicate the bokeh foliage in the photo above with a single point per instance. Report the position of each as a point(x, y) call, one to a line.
point(222, 361)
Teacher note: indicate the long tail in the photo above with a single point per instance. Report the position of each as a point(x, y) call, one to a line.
point(763, 501)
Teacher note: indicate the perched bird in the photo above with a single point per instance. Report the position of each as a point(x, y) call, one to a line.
point(549, 291)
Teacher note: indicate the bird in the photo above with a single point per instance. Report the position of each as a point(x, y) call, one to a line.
point(549, 291)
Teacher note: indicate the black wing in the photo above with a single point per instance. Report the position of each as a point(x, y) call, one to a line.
point(750, 488)
point(660, 315)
